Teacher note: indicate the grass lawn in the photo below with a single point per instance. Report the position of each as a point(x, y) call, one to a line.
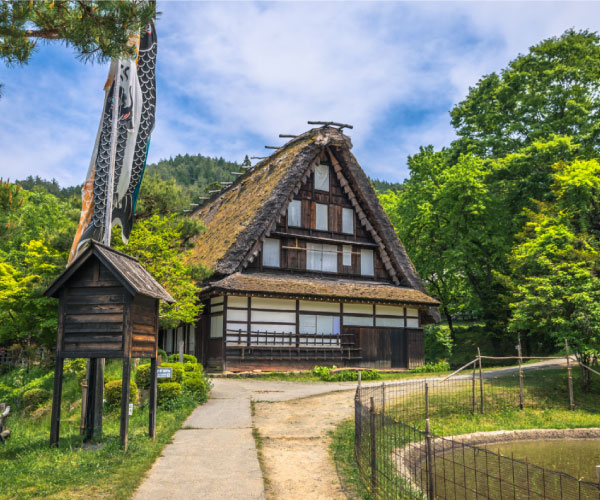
point(546, 408)
point(31, 469)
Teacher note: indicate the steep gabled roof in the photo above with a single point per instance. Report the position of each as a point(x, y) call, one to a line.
point(239, 217)
point(125, 268)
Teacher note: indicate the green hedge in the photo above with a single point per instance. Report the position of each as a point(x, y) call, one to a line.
point(168, 391)
point(187, 358)
point(196, 386)
point(35, 397)
point(142, 376)
point(112, 392)
point(177, 375)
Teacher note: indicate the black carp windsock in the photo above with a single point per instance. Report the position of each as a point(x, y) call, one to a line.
point(137, 106)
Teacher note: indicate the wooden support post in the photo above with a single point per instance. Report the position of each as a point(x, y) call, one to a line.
point(480, 379)
point(569, 376)
point(84, 391)
point(56, 398)
point(181, 349)
point(382, 404)
point(428, 451)
point(125, 401)
point(152, 400)
point(373, 448)
point(598, 473)
point(91, 398)
point(99, 395)
point(521, 397)
point(473, 384)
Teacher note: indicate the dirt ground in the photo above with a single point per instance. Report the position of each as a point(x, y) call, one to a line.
point(295, 445)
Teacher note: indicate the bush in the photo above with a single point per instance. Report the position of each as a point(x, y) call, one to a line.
point(192, 367)
point(187, 358)
point(112, 392)
point(324, 373)
point(77, 367)
point(440, 366)
point(35, 397)
point(177, 375)
point(168, 391)
point(197, 386)
point(438, 343)
point(162, 354)
point(6, 393)
point(142, 376)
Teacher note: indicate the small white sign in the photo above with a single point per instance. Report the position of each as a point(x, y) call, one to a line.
point(130, 409)
point(164, 372)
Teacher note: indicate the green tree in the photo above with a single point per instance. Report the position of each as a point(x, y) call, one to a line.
point(553, 89)
point(97, 30)
point(158, 243)
point(555, 265)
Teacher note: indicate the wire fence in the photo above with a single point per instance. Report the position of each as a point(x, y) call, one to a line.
point(403, 448)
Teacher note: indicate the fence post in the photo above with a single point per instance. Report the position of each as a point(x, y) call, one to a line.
point(473, 384)
point(480, 379)
point(429, 454)
point(382, 404)
point(373, 449)
point(569, 376)
point(520, 373)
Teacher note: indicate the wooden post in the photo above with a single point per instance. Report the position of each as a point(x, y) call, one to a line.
point(91, 399)
point(56, 398)
point(521, 398)
point(480, 379)
point(382, 404)
point(99, 397)
point(125, 401)
point(373, 449)
point(181, 348)
point(569, 376)
point(84, 391)
point(598, 473)
point(428, 451)
point(473, 387)
point(152, 400)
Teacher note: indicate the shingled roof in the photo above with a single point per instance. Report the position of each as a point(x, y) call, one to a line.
point(126, 269)
point(239, 217)
point(308, 286)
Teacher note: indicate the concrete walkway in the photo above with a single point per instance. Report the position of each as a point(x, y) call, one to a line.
point(213, 456)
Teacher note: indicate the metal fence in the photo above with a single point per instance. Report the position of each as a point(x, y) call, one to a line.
point(403, 449)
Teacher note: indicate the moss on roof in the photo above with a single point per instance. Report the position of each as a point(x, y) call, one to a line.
point(308, 286)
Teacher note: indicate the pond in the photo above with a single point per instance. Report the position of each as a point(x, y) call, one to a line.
point(577, 457)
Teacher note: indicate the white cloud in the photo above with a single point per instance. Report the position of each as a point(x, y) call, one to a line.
point(232, 76)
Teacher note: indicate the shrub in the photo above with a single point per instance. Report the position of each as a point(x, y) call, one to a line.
point(177, 375)
point(112, 392)
point(6, 393)
point(77, 367)
point(324, 373)
point(438, 343)
point(187, 358)
point(197, 386)
point(440, 366)
point(142, 376)
point(35, 397)
point(162, 354)
point(168, 391)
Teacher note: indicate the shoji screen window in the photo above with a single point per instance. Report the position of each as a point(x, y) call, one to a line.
point(322, 217)
point(321, 257)
point(295, 213)
point(322, 178)
point(347, 221)
point(271, 253)
point(366, 262)
point(347, 255)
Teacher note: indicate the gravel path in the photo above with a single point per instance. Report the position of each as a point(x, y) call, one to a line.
point(214, 455)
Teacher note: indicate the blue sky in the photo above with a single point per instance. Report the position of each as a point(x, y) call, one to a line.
point(232, 76)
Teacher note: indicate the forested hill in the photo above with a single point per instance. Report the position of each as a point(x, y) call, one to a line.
point(193, 172)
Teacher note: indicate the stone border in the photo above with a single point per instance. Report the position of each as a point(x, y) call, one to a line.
point(408, 456)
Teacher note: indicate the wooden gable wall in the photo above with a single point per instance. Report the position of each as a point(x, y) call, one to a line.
point(293, 260)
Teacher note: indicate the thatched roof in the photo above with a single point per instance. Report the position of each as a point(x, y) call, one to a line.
point(292, 285)
point(124, 267)
point(239, 217)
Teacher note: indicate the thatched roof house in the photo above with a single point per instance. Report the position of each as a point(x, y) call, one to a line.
point(306, 266)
